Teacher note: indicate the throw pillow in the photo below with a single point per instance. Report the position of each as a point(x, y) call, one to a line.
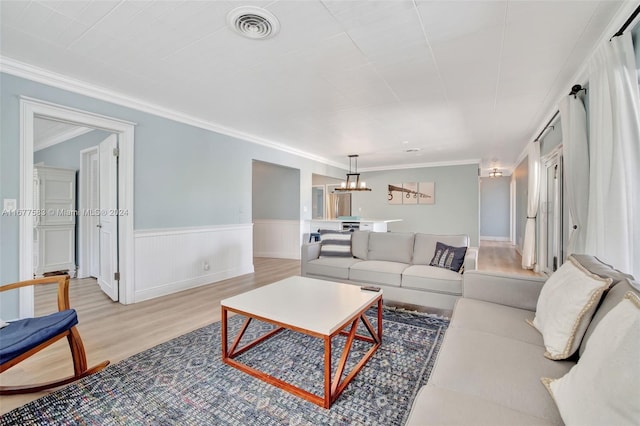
point(448, 257)
point(335, 243)
point(603, 387)
point(565, 306)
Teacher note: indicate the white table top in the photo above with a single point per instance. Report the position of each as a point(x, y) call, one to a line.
point(314, 305)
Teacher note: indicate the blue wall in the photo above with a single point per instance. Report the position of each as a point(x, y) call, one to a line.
point(494, 207)
point(276, 192)
point(456, 208)
point(67, 154)
point(183, 175)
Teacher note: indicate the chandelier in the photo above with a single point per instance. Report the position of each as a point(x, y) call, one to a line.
point(495, 173)
point(353, 178)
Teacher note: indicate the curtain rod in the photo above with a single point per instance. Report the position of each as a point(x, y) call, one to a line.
point(575, 89)
point(627, 22)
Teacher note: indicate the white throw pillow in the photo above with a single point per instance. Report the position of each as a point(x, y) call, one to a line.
point(566, 304)
point(604, 386)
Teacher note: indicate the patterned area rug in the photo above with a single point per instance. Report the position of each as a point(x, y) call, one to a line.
point(184, 381)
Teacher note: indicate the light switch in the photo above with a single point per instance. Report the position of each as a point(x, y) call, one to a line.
point(10, 204)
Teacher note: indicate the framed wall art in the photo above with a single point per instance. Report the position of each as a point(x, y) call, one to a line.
point(411, 193)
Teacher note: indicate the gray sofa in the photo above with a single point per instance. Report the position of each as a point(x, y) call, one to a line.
point(491, 361)
point(396, 261)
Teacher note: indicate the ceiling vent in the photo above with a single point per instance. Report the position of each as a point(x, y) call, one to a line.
point(253, 22)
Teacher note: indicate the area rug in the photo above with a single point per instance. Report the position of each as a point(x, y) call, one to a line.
point(184, 381)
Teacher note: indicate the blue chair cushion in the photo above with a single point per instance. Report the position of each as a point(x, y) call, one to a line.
point(25, 334)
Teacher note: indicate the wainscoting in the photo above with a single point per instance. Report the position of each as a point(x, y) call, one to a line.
point(276, 238)
point(172, 260)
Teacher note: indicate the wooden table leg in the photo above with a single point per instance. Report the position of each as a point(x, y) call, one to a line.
point(327, 372)
point(224, 333)
point(380, 320)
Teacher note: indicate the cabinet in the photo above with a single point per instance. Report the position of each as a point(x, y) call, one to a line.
point(54, 233)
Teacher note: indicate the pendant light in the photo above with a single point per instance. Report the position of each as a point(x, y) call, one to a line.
point(353, 178)
point(495, 173)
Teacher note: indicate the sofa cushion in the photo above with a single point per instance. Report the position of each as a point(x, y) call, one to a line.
point(438, 406)
point(448, 257)
point(391, 246)
point(335, 243)
point(425, 246)
point(496, 319)
point(501, 370)
point(432, 278)
point(604, 387)
point(332, 267)
point(566, 304)
point(360, 244)
point(377, 272)
point(612, 298)
point(599, 268)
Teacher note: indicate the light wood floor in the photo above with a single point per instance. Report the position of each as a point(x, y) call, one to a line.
point(113, 331)
point(499, 256)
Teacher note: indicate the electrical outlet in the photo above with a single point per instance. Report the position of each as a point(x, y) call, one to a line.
point(205, 266)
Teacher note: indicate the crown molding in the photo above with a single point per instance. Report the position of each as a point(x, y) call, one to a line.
point(582, 75)
point(421, 165)
point(50, 78)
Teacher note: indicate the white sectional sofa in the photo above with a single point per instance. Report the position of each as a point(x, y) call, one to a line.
point(396, 261)
point(490, 364)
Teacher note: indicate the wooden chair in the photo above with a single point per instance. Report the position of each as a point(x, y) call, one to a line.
point(23, 338)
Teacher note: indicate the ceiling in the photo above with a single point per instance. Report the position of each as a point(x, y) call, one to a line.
point(47, 133)
point(457, 81)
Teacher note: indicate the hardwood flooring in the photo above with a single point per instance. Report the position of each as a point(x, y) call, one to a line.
point(502, 257)
point(113, 331)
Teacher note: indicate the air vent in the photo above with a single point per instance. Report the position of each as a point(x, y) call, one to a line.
point(412, 150)
point(253, 22)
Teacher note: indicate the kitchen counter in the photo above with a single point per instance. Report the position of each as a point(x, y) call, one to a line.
point(364, 224)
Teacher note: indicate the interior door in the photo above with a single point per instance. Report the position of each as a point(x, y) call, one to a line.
point(108, 217)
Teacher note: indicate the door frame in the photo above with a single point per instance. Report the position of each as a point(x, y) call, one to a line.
point(31, 108)
point(84, 224)
point(554, 157)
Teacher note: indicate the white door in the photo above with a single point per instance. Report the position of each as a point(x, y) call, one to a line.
point(108, 218)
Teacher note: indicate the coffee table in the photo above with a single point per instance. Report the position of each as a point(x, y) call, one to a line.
point(318, 308)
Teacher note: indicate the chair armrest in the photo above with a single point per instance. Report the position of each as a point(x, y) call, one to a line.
point(61, 280)
point(518, 291)
point(471, 259)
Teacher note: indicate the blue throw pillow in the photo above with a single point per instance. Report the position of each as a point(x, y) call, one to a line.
point(448, 257)
point(335, 243)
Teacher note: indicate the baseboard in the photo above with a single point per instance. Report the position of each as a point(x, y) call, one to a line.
point(486, 238)
point(174, 287)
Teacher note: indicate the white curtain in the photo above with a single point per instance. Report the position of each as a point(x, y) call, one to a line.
point(613, 224)
point(575, 152)
point(529, 246)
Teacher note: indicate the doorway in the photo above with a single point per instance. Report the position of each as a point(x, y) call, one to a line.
point(30, 109)
point(78, 165)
